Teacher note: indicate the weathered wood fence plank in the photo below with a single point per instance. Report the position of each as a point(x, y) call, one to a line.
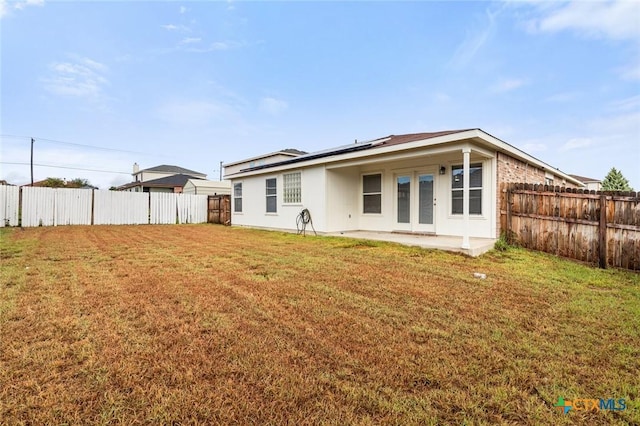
point(597, 227)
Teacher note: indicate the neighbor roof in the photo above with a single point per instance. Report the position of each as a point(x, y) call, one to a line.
point(393, 143)
point(585, 179)
point(166, 168)
point(165, 182)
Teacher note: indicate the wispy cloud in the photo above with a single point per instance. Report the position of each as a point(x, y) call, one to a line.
point(562, 97)
point(576, 143)
point(442, 97)
point(611, 19)
point(177, 28)
point(508, 85)
point(191, 40)
point(22, 4)
point(626, 104)
point(630, 72)
point(215, 46)
point(475, 40)
point(183, 10)
point(195, 112)
point(534, 147)
point(83, 78)
point(6, 6)
point(273, 106)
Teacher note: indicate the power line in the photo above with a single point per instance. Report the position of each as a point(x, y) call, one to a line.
point(63, 167)
point(73, 144)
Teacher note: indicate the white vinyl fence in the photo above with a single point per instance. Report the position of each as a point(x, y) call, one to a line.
point(65, 206)
point(192, 208)
point(9, 196)
point(120, 208)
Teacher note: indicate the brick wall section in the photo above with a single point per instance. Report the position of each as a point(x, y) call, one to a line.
point(512, 170)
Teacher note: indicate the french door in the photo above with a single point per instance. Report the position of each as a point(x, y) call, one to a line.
point(415, 202)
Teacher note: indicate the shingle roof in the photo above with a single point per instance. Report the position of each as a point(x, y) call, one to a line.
point(412, 137)
point(165, 182)
point(293, 151)
point(166, 168)
point(359, 146)
point(585, 179)
point(172, 181)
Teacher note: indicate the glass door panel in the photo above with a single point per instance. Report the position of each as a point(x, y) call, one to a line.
point(403, 189)
point(425, 202)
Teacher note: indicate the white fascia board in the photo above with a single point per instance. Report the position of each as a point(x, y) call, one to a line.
point(473, 134)
point(523, 156)
point(372, 159)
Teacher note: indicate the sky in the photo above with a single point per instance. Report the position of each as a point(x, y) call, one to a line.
point(101, 85)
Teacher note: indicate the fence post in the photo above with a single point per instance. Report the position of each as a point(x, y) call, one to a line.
point(509, 233)
point(603, 232)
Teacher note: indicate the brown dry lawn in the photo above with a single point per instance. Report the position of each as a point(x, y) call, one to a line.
point(205, 324)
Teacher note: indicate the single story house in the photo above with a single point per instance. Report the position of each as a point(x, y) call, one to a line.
point(206, 187)
point(440, 183)
point(163, 178)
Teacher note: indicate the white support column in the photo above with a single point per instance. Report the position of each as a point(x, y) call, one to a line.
point(465, 198)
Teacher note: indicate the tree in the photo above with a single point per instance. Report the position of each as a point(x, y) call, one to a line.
point(615, 181)
point(61, 183)
point(78, 183)
point(53, 183)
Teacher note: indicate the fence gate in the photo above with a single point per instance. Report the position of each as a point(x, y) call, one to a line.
point(219, 210)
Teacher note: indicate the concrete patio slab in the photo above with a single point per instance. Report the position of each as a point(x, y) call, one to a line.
point(442, 242)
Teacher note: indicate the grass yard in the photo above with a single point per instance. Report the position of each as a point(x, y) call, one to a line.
point(194, 324)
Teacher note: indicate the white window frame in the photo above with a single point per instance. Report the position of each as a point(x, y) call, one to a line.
point(273, 195)
point(363, 194)
point(471, 188)
point(288, 188)
point(235, 210)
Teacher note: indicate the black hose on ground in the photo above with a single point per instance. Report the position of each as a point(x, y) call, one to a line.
point(303, 219)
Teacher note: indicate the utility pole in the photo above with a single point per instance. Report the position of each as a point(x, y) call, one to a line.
point(32, 161)
point(221, 171)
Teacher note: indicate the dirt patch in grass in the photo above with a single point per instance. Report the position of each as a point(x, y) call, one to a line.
point(207, 324)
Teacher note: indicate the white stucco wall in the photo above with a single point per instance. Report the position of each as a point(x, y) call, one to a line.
point(254, 201)
point(334, 196)
point(342, 200)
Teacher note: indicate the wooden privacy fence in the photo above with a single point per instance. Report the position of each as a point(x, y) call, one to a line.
point(66, 206)
point(219, 210)
point(596, 227)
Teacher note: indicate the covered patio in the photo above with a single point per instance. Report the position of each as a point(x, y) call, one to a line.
point(477, 246)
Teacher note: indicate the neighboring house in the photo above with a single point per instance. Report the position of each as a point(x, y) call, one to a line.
point(164, 178)
point(273, 157)
point(418, 183)
point(207, 187)
point(590, 183)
